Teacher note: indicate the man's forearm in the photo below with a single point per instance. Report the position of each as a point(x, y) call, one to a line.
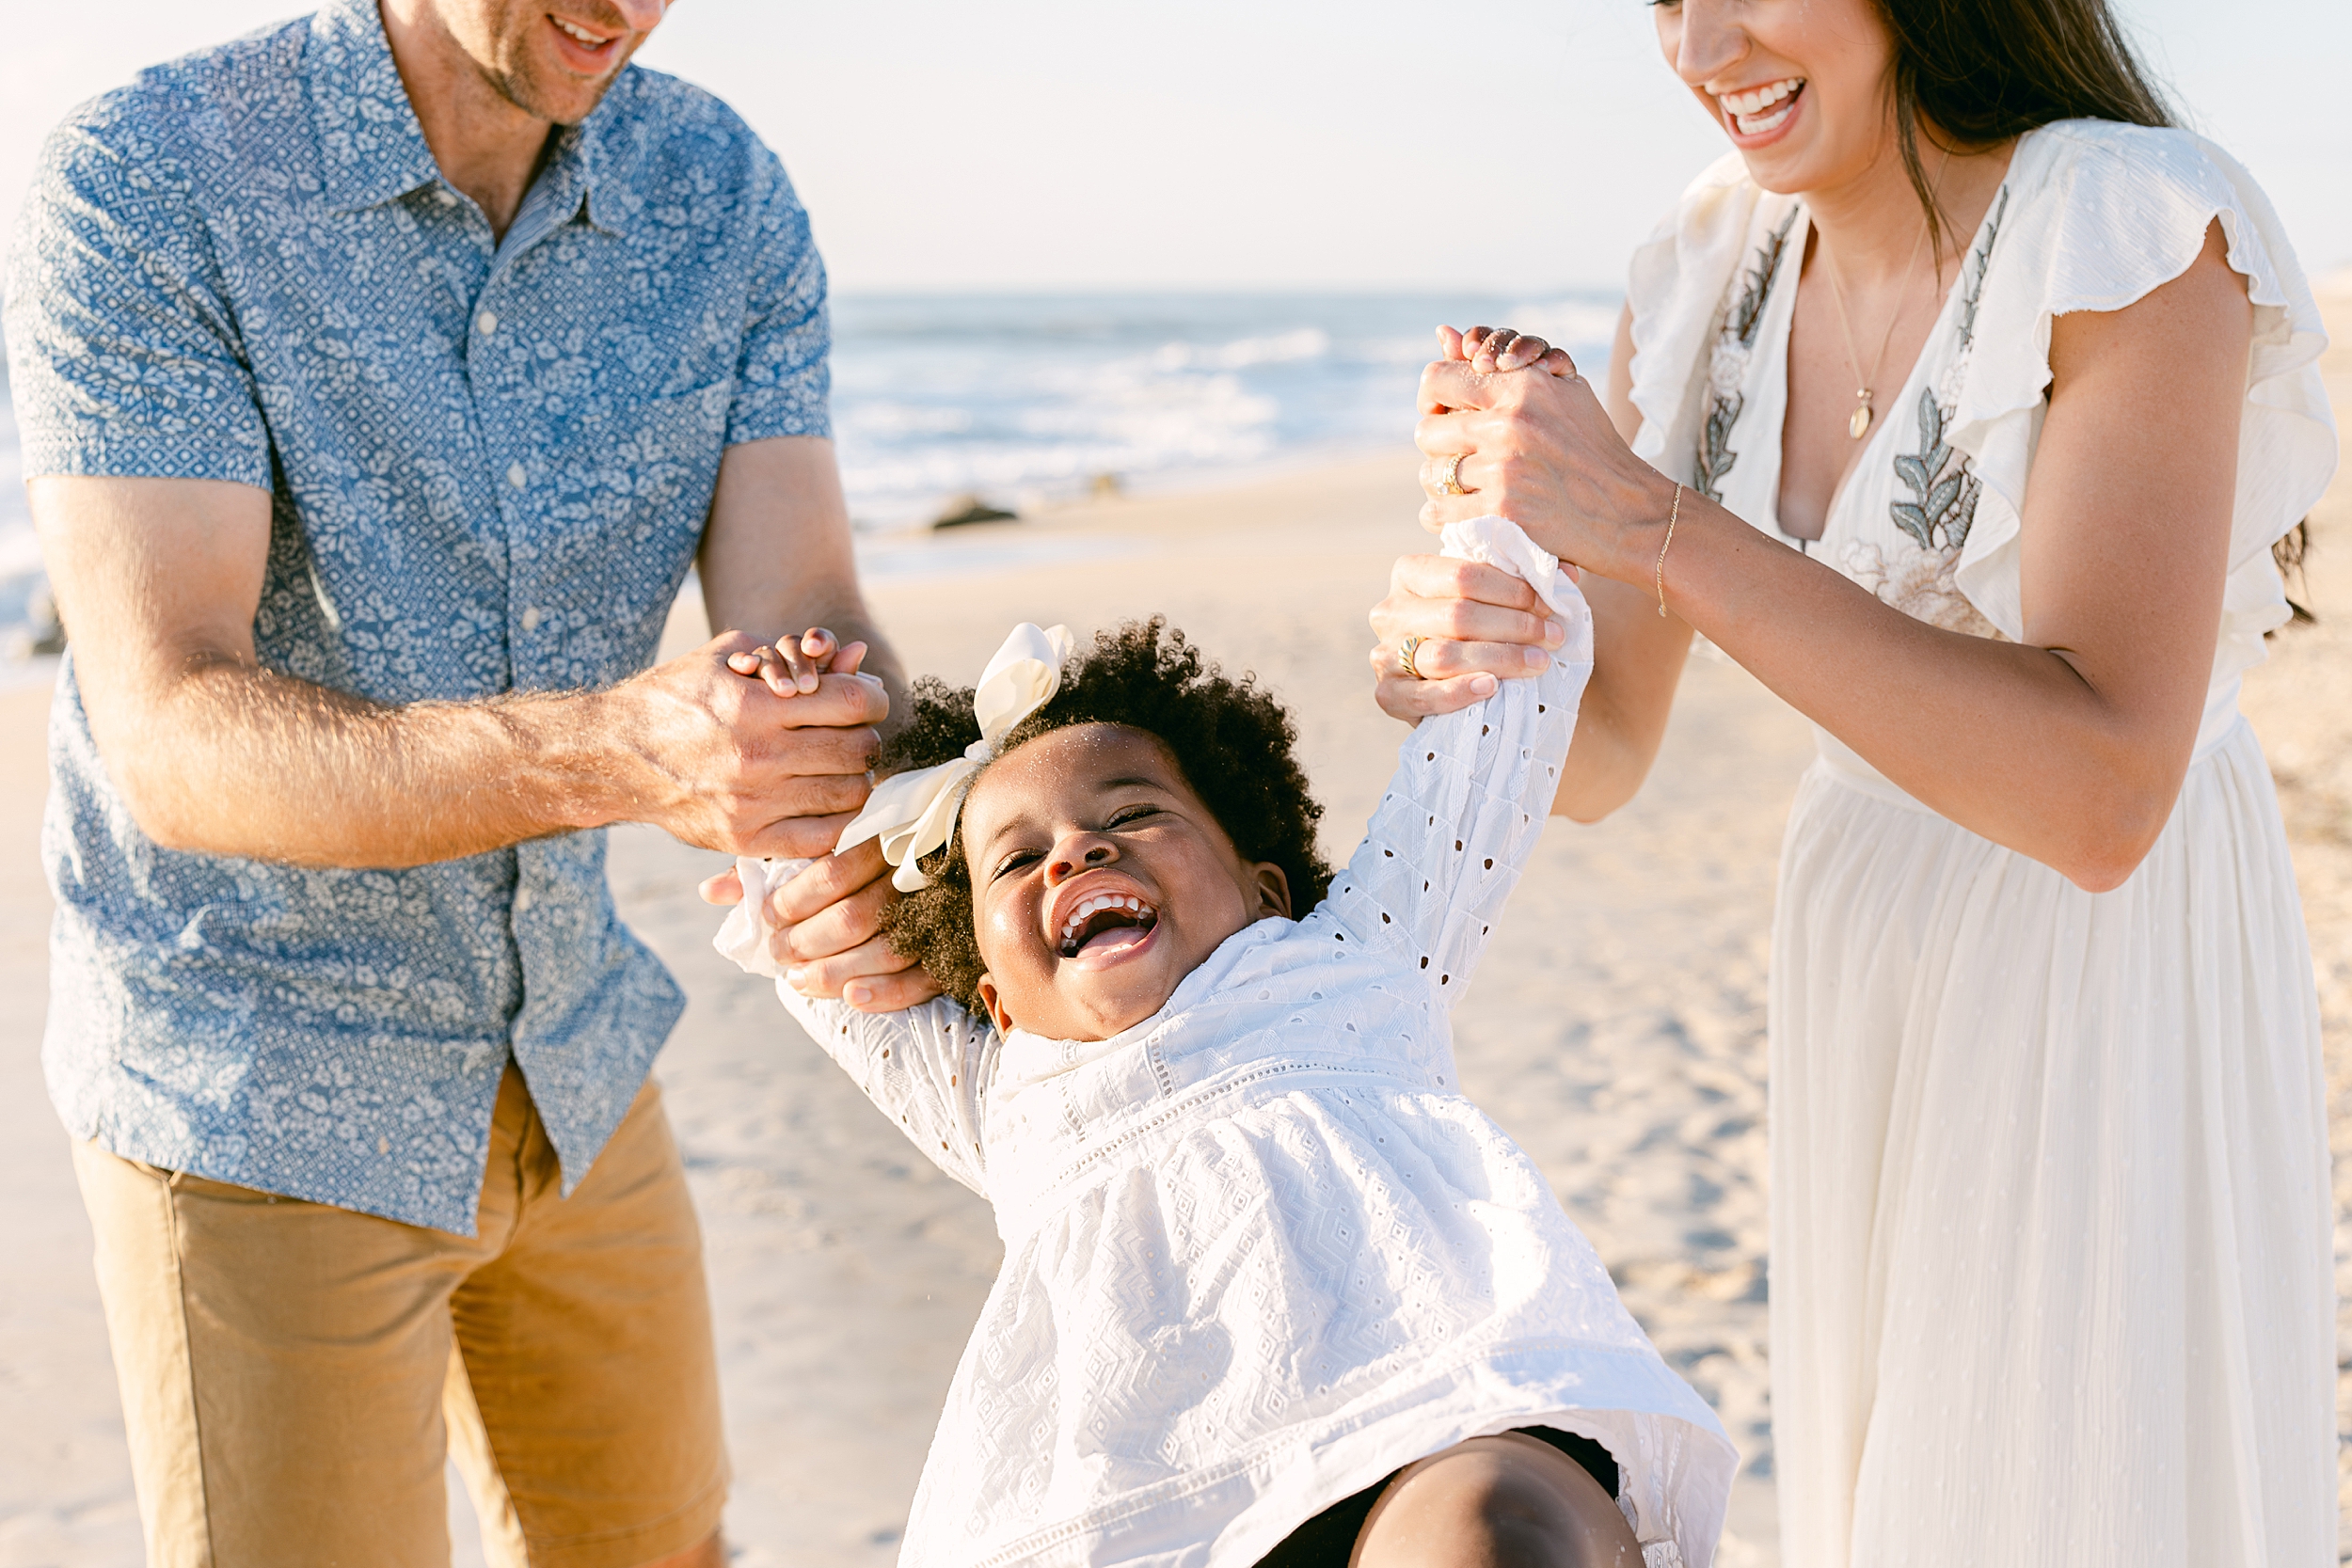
point(233, 759)
point(159, 580)
point(240, 760)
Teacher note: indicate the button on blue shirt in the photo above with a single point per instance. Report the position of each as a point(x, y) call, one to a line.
point(489, 466)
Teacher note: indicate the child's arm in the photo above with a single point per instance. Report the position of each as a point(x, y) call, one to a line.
point(925, 1066)
point(1471, 793)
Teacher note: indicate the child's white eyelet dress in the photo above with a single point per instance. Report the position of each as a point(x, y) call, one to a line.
point(1259, 1250)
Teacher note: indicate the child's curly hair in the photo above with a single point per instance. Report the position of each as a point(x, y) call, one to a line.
point(1231, 739)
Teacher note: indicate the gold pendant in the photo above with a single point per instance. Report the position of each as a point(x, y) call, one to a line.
point(1860, 421)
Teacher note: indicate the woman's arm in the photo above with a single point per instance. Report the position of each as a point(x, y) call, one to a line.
point(1638, 656)
point(1477, 620)
point(2068, 747)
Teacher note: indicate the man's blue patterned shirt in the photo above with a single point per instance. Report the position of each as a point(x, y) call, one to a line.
point(490, 465)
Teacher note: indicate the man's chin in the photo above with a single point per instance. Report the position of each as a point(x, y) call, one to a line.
point(556, 95)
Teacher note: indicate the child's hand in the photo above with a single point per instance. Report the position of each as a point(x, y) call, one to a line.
point(792, 665)
point(825, 925)
point(1501, 349)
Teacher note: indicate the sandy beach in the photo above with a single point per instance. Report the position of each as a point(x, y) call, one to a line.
point(1617, 1030)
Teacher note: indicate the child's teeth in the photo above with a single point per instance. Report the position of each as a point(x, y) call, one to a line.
point(1088, 908)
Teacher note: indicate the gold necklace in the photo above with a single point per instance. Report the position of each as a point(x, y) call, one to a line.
point(1858, 423)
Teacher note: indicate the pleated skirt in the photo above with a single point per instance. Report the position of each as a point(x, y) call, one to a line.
point(2052, 1236)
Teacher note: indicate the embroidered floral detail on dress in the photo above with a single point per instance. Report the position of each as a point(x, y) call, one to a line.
point(1943, 487)
point(1919, 579)
point(1943, 482)
point(1727, 367)
point(1920, 583)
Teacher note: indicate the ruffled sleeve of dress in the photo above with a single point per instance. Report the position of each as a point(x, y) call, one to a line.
point(926, 1067)
point(2100, 215)
point(1674, 287)
point(1471, 791)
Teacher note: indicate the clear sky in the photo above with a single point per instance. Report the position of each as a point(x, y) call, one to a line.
point(1345, 144)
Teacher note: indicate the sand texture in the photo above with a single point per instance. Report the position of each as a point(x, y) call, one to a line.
point(2300, 703)
point(1617, 1030)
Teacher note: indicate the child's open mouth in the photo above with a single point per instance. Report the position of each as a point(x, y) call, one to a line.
point(1105, 923)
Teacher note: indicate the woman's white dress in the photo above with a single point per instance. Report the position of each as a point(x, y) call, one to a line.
point(1259, 1250)
point(2051, 1275)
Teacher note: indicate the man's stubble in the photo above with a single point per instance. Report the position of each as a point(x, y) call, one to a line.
point(503, 38)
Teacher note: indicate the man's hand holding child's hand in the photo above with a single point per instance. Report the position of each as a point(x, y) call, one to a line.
point(825, 924)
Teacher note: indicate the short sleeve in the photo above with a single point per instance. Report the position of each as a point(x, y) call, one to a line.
point(1673, 285)
point(2101, 216)
point(783, 380)
point(124, 355)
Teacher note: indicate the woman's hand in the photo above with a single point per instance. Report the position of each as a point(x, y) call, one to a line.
point(825, 926)
point(1479, 625)
point(1536, 447)
point(1476, 624)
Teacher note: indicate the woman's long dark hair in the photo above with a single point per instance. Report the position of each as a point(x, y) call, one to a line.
point(1973, 74)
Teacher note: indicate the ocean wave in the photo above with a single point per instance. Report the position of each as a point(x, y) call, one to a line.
point(1028, 399)
point(1307, 342)
point(1024, 399)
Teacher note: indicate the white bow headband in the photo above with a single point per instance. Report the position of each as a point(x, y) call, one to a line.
point(914, 813)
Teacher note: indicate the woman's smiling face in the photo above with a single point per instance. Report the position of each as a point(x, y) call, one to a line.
point(1800, 87)
point(1099, 882)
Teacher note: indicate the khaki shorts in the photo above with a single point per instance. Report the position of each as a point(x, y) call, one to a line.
point(294, 1374)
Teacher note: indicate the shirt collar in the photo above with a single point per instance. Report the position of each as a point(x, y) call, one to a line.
point(587, 172)
point(370, 147)
point(372, 150)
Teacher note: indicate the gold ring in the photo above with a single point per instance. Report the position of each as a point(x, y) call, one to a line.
point(1405, 651)
point(1450, 480)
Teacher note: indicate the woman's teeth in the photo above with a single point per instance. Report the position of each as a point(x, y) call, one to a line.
point(1761, 109)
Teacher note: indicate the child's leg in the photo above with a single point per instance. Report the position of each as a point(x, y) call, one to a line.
point(1508, 1501)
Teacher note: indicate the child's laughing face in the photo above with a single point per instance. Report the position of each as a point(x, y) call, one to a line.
point(1099, 882)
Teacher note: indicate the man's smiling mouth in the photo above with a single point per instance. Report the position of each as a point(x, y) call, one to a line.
point(1107, 921)
point(581, 36)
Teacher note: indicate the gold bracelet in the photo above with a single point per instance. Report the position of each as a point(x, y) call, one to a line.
point(1671, 517)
